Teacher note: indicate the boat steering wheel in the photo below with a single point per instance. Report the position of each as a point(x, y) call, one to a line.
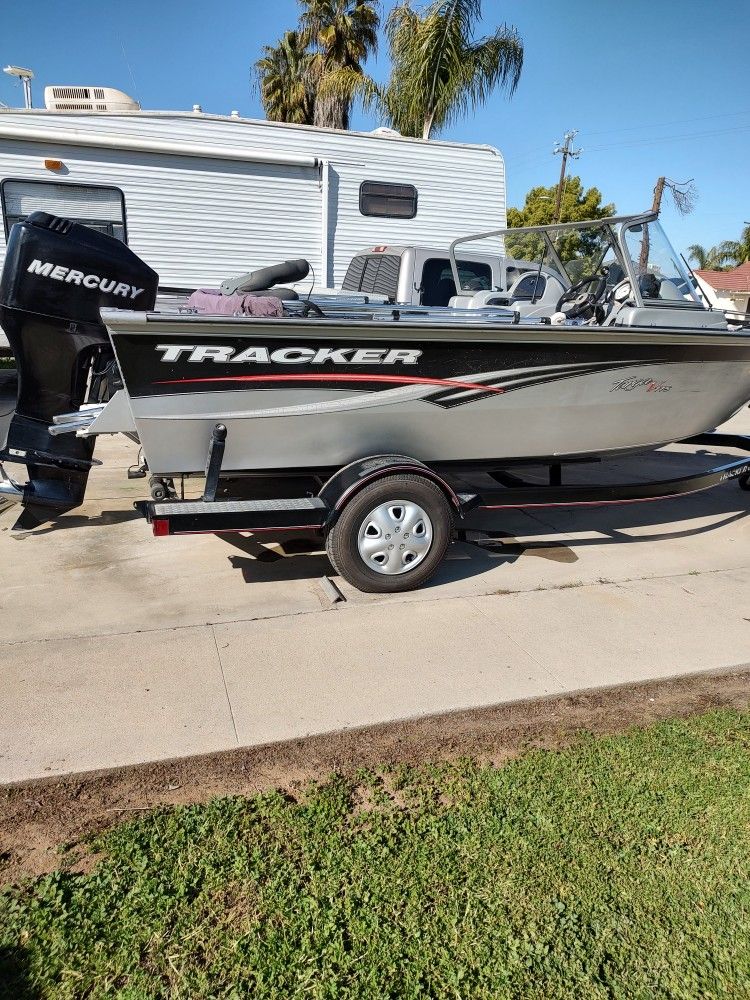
point(583, 303)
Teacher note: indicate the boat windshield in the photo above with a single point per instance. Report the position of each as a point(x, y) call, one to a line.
point(622, 250)
point(662, 276)
point(577, 253)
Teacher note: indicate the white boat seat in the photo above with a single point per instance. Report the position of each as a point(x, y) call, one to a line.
point(478, 300)
point(669, 290)
point(549, 289)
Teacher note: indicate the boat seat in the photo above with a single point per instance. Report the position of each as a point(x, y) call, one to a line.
point(545, 304)
point(478, 300)
point(669, 290)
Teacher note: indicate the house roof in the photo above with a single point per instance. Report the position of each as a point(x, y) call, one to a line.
point(736, 280)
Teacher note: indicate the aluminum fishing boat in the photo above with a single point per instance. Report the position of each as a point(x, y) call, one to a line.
point(606, 350)
point(613, 353)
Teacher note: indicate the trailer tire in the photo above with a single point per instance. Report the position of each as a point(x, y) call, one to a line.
point(392, 535)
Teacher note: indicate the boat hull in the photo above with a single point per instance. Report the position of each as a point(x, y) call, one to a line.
point(306, 395)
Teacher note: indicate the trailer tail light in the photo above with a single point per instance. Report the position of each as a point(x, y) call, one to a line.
point(160, 526)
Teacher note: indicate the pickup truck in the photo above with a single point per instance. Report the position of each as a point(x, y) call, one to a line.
point(418, 275)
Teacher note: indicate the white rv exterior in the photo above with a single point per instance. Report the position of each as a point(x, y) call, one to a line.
point(202, 197)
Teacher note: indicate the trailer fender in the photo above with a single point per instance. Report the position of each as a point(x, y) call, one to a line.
point(347, 482)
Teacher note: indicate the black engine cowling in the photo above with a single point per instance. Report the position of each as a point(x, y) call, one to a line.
point(57, 276)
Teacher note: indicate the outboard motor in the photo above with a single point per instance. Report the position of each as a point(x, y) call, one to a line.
point(57, 276)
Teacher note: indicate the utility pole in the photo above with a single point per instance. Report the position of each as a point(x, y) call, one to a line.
point(683, 194)
point(658, 192)
point(566, 152)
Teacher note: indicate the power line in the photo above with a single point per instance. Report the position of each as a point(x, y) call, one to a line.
point(670, 138)
point(531, 156)
point(675, 121)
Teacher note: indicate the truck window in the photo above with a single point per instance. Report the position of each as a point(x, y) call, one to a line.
point(438, 285)
point(100, 208)
point(373, 273)
point(388, 201)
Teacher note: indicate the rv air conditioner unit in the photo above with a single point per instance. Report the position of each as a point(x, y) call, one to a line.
point(88, 99)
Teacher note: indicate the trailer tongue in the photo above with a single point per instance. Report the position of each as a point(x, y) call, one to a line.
point(58, 275)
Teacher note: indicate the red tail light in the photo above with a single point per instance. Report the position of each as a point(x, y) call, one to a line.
point(161, 526)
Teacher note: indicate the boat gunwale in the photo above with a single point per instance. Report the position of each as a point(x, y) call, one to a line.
point(292, 328)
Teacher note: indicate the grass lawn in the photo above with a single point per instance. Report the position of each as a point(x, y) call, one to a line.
point(617, 868)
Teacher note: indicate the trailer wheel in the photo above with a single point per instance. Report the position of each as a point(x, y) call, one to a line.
point(161, 489)
point(392, 535)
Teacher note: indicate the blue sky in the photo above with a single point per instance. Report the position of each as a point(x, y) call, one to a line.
point(653, 88)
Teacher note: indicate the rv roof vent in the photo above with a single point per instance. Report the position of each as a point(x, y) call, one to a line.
point(88, 99)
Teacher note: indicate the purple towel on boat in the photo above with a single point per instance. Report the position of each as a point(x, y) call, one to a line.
point(210, 300)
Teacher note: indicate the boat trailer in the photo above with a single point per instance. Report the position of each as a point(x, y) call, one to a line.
point(321, 515)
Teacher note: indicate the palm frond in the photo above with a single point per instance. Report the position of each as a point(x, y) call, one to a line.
point(439, 72)
point(728, 251)
point(341, 33)
point(451, 21)
point(280, 78)
point(699, 254)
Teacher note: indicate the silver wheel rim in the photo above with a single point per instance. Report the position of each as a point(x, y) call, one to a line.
point(395, 537)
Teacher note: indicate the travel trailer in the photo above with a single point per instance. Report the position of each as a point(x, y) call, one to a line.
point(203, 196)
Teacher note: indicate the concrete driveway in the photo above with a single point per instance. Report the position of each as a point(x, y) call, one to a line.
point(118, 648)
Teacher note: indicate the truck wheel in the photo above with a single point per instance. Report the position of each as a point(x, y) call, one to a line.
point(391, 536)
point(744, 481)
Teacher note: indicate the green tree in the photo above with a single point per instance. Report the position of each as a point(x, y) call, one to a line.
point(744, 248)
point(341, 33)
point(698, 253)
point(577, 205)
point(735, 252)
point(725, 255)
point(439, 72)
point(282, 75)
point(707, 259)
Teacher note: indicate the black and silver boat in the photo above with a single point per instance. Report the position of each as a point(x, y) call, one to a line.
point(610, 352)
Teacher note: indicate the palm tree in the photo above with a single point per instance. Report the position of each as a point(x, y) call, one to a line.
point(282, 79)
point(738, 251)
point(717, 258)
point(699, 254)
point(343, 33)
point(744, 241)
point(439, 72)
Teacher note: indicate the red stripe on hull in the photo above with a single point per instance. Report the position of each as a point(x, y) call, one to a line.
point(398, 379)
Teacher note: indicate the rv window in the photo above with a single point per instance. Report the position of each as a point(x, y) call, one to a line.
point(388, 201)
point(100, 208)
